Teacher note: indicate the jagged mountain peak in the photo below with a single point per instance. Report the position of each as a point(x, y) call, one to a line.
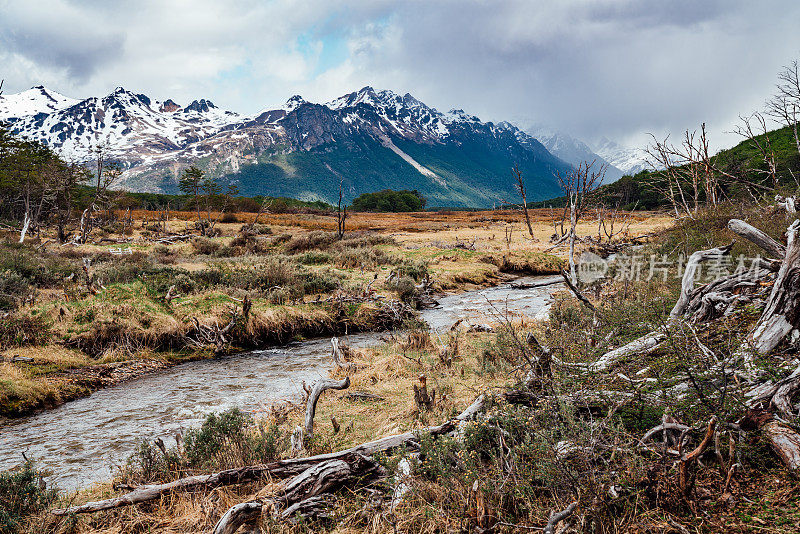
point(200, 106)
point(37, 99)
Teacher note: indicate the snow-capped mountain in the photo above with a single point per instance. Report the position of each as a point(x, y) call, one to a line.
point(369, 139)
point(132, 127)
point(35, 100)
point(629, 160)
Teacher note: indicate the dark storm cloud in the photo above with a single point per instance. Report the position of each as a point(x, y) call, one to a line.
point(619, 68)
point(59, 37)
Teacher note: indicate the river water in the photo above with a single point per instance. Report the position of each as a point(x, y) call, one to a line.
point(81, 441)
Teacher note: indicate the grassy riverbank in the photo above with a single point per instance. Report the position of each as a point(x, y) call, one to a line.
point(70, 330)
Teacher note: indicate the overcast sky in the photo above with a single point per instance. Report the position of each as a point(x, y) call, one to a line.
point(588, 67)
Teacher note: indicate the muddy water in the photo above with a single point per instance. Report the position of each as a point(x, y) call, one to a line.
point(81, 441)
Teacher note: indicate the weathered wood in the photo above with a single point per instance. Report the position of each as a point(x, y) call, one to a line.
point(575, 291)
point(312, 508)
point(753, 234)
point(339, 359)
point(246, 513)
point(153, 491)
point(643, 345)
point(785, 441)
point(782, 312)
point(558, 517)
point(690, 274)
point(311, 405)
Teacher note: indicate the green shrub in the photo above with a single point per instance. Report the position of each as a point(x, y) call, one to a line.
point(225, 440)
point(13, 288)
point(406, 290)
point(22, 494)
point(416, 269)
point(314, 257)
point(205, 246)
point(315, 240)
point(21, 330)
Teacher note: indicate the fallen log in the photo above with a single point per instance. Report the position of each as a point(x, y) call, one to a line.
point(246, 513)
point(277, 469)
point(782, 312)
point(153, 491)
point(312, 483)
point(753, 234)
point(785, 441)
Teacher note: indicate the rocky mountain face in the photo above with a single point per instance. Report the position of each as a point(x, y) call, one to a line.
point(369, 140)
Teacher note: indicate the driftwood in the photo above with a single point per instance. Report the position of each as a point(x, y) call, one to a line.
point(246, 513)
point(278, 469)
point(311, 405)
point(338, 357)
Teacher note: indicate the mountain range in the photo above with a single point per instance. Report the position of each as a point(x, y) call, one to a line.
point(368, 140)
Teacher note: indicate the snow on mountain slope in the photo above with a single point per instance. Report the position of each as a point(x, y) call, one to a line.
point(630, 160)
point(35, 100)
point(131, 126)
point(377, 139)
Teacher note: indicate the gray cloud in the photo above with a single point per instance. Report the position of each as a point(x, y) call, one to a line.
point(619, 68)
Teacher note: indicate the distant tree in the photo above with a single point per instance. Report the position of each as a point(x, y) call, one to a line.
point(341, 212)
point(389, 201)
point(190, 183)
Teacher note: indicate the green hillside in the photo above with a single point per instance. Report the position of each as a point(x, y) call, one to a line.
point(472, 174)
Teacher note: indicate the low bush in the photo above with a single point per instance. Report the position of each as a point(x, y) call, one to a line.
point(21, 330)
point(22, 494)
point(225, 440)
point(13, 289)
point(205, 246)
point(314, 240)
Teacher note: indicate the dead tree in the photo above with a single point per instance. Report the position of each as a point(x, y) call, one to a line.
point(521, 190)
point(578, 185)
point(784, 106)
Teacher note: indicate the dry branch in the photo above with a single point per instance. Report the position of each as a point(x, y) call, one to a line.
point(277, 469)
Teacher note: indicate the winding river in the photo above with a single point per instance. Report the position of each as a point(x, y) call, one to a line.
point(80, 442)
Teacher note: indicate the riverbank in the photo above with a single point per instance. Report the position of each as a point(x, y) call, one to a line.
point(91, 315)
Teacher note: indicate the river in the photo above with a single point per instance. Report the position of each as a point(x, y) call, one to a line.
point(81, 441)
